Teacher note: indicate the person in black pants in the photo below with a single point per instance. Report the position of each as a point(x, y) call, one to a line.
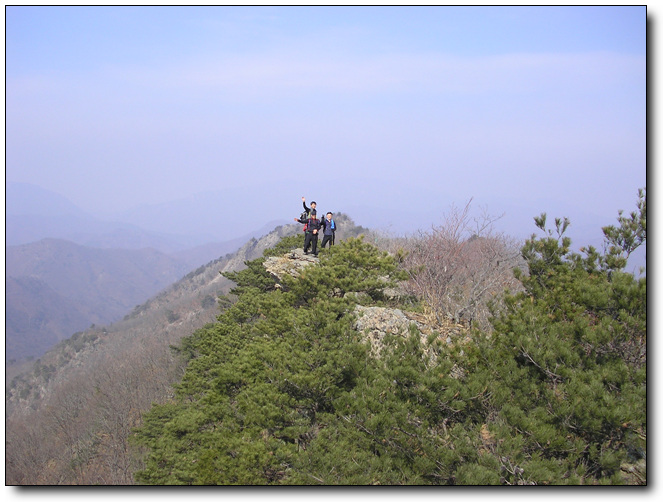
point(328, 231)
point(303, 219)
point(312, 229)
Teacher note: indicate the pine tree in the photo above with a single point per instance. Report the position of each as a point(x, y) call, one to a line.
point(567, 363)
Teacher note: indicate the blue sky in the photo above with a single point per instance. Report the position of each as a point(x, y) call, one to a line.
point(522, 108)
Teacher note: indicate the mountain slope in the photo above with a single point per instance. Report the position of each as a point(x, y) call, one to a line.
point(37, 317)
point(59, 287)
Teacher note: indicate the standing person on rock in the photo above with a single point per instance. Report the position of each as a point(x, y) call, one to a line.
point(312, 229)
point(328, 230)
point(303, 218)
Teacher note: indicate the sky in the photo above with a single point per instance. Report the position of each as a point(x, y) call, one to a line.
point(416, 107)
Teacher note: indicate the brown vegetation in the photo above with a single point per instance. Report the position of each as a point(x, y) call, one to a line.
point(461, 267)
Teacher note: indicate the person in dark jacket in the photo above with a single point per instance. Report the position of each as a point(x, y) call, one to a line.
point(308, 209)
point(328, 230)
point(312, 230)
point(306, 214)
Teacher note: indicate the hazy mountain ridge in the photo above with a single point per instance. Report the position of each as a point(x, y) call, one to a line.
point(86, 231)
point(94, 271)
point(88, 285)
point(179, 309)
point(29, 199)
point(234, 213)
point(209, 251)
point(33, 213)
point(37, 317)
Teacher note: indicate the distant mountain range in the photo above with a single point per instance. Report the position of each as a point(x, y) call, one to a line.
point(237, 213)
point(57, 287)
point(37, 317)
point(66, 270)
point(33, 213)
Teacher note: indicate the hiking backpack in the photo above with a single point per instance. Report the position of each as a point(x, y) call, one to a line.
point(303, 218)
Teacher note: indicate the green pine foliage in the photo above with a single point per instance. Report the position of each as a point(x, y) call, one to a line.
point(567, 363)
point(283, 389)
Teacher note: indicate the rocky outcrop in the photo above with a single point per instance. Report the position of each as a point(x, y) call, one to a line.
point(447, 330)
point(291, 263)
point(377, 322)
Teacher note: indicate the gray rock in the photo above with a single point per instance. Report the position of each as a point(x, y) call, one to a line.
point(377, 322)
point(291, 263)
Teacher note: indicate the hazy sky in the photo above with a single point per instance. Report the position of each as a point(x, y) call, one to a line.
point(118, 106)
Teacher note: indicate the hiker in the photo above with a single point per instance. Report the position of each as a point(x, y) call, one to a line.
point(303, 218)
point(312, 230)
point(307, 209)
point(328, 230)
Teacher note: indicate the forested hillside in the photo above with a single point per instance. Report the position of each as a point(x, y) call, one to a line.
point(89, 286)
point(37, 317)
point(455, 357)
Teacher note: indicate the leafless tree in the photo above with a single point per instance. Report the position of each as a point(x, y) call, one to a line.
point(460, 266)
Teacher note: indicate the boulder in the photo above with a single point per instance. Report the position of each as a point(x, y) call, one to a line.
point(291, 263)
point(377, 322)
